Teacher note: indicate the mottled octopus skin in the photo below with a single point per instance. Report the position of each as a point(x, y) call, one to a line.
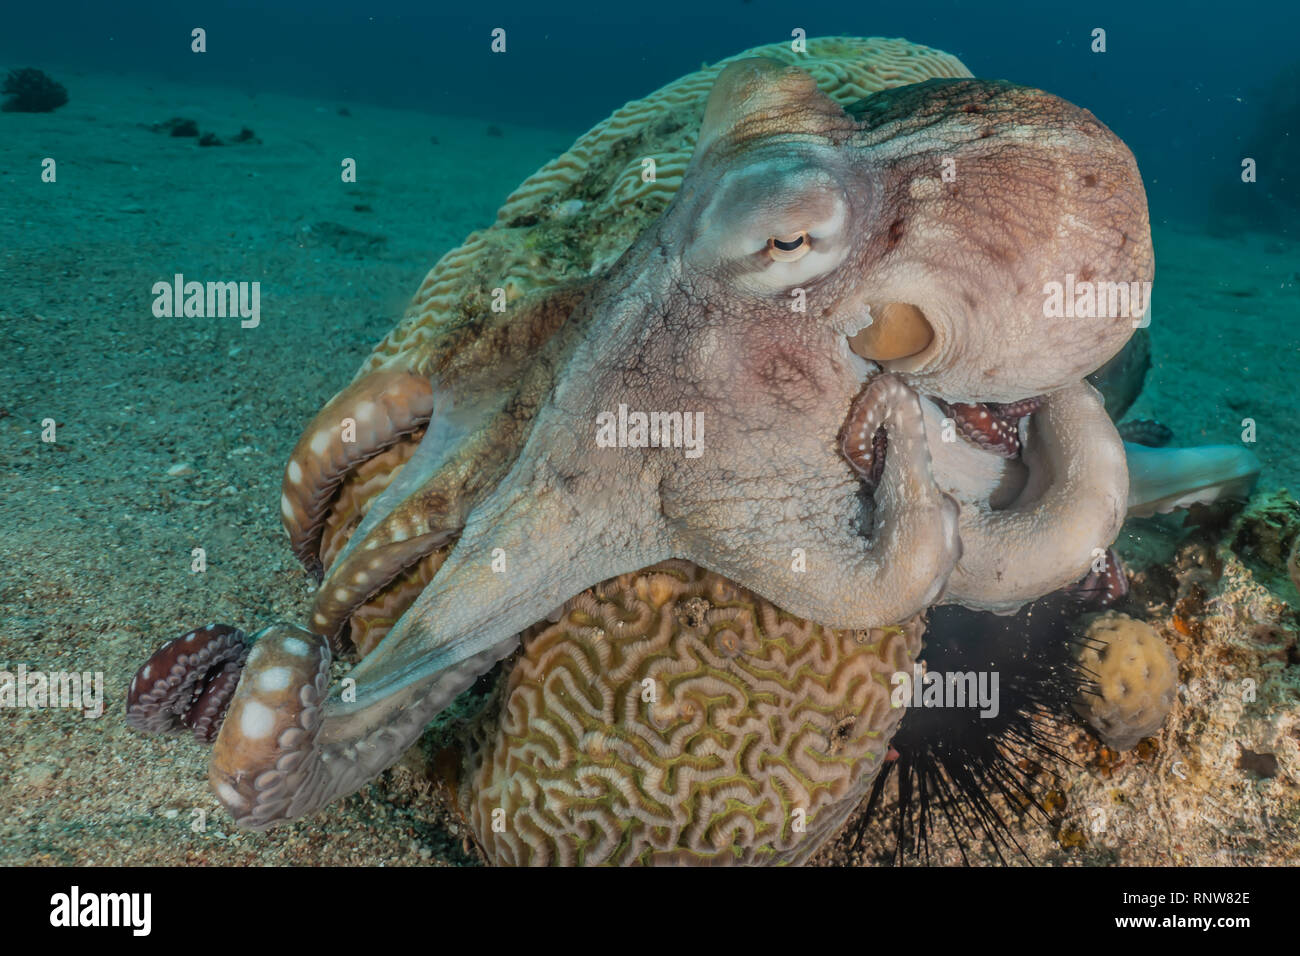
point(864, 443)
point(685, 314)
point(684, 320)
point(1101, 587)
point(991, 425)
point(272, 726)
point(536, 251)
point(690, 319)
point(693, 317)
point(188, 683)
point(1057, 508)
point(382, 409)
point(471, 446)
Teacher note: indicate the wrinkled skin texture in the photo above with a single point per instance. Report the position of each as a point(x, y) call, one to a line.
point(698, 316)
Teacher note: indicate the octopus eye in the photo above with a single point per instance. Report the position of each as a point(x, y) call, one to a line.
point(789, 249)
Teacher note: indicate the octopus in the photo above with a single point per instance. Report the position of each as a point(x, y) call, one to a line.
point(837, 274)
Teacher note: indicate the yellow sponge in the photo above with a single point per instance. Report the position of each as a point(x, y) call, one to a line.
point(1136, 675)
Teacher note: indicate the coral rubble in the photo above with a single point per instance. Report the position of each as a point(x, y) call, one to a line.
point(29, 90)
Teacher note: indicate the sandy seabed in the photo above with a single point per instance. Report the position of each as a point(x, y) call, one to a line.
point(171, 434)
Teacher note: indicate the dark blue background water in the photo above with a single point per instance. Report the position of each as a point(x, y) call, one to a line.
point(1182, 83)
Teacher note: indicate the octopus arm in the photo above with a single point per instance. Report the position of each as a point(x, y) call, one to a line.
point(288, 746)
point(1073, 503)
point(1162, 479)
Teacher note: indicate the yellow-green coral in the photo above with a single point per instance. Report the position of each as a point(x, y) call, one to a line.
point(670, 716)
point(1136, 676)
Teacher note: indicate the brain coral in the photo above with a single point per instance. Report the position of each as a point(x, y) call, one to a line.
point(582, 210)
point(670, 716)
point(1136, 675)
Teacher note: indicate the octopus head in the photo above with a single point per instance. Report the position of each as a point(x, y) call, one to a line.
point(940, 226)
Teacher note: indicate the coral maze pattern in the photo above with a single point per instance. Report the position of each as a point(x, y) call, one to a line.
point(670, 716)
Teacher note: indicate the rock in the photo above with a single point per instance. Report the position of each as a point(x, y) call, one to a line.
point(31, 91)
point(40, 775)
point(178, 126)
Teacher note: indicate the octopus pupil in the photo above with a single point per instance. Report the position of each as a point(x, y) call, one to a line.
point(788, 246)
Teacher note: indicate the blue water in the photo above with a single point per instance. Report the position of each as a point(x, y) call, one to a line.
point(1184, 84)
